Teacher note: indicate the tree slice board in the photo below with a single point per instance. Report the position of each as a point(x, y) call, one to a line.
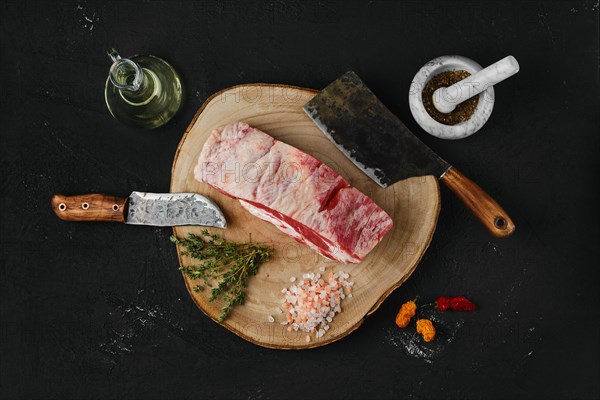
point(413, 205)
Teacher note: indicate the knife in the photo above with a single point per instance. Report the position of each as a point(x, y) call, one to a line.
point(157, 209)
point(380, 145)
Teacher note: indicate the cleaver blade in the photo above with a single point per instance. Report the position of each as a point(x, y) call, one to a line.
point(381, 146)
point(155, 209)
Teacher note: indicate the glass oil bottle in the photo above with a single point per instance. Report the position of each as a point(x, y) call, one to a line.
point(143, 91)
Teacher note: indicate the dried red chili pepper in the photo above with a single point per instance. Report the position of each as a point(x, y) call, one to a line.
point(458, 303)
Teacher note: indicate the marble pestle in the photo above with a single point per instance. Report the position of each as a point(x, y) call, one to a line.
point(446, 99)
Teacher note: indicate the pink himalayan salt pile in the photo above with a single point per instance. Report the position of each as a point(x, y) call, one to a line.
point(312, 303)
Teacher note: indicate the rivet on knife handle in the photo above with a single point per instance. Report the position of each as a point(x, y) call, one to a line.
point(89, 207)
point(491, 215)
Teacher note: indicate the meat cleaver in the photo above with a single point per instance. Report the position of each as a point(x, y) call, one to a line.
point(378, 143)
point(156, 209)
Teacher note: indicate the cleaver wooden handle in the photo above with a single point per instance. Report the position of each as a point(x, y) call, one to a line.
point(89, 207)
point(491, 215)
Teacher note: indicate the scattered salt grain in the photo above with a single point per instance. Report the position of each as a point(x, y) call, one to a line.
point(307, 339)
point(293, 279)
point(270, 318)
point(322, 269)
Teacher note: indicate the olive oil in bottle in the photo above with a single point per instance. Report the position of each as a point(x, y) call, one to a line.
point(143, 91)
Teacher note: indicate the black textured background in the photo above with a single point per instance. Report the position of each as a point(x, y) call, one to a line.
point(100, 310)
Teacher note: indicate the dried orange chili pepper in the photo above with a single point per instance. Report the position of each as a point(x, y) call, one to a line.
point(426, 328)
point(406, 312)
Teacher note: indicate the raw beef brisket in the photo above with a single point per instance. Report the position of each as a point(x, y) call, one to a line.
point(294, 191)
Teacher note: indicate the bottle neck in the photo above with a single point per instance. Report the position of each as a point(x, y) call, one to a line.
point(146, 91)
point(135, 84)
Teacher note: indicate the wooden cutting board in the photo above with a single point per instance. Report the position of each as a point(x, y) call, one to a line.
point(413, 205)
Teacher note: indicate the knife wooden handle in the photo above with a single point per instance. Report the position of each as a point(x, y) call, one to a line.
point(89, 207)
point(491, 215)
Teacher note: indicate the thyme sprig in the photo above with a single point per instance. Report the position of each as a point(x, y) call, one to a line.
point(224, 266)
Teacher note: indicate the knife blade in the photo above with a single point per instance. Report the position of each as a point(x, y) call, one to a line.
point(155, 209)
point(381, 146)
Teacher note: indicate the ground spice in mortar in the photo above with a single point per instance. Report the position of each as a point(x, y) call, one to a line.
point(462, 112)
